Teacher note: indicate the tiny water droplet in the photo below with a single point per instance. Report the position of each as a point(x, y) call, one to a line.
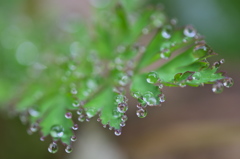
point(122, 107)
point(145, 31)
point(141, 113)
point(122, 124)
point(33, 112)
point(118, 132)
point(68, 115)
point(124, 118)
point(165, 54)
point(104, 125)
point(68, 149)
point(53, 148)
point(166, 32)
point(162, 98)
point(110, 128)
point(75, 127)
point(57, 131)
point(222, 61)
point(99, 120)
point(152, 77)
point(216, 64)
point(74, 138)
point(189, 31)
point(120, 99)
point(228, 82)
point(74, 91)
point(140, 106)
point(79, 111)
point(76, 103)
point(34, 127)
point(217, 87)
point(42, 138)
point(124, 80)
point(137, 95)
point(182, 85)
point(81, 118)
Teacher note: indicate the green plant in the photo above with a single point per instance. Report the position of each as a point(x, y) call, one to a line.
point(89, 68)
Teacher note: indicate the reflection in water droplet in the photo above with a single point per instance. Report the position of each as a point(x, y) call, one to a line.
point(118, 132)
point(141, 113)
point(68, 149)
point(217, 87)
point(189, 31)
point(228, 82)
point(152, 77)
point(68, 115)
point(76, 103)
point(53, 148)
point(166, 32)
point(75, 127)
point(74, 138)
point(122, 107)
point(57, 131)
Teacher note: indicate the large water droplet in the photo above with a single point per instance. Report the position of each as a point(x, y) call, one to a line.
point(122, 107)
point(228, 82)
point(149, 98)
point(217, 87)
point(68, 115)
point(189, 31)
point(141, 113)
point(152, 77)
point(57, 131)
point(166, 32)
point(68, 149)
point(53, 148)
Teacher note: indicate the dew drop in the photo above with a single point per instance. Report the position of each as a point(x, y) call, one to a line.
point(68, 149)
point(81, 118)
point(118, 132)
point(53, 148)
point(189, 31)
point(42, 138)
point(122, 124)
point(74, 138)
point(76, 103)
point(217, 87)
point(34, 127)
point(68, 115)
point(57, 131)
point(99, 120)
point(33, 112)
point(74, 91)
point(216, 64)
point(228, 82)
point(137, 95)
point(122, 107)
point(141, 113)
point(120, 99)
point(75, 127)
point(152, 77)
point(110, 128)
point(166, 32)
point(124, 80)
point(124, 118)
point(165, 54)
point(80, 111)
point(149, 98)
point(162, 98)
point(222, 61)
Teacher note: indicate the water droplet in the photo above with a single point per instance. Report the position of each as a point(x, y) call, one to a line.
point(68, 149)
point(76, 103)
point(80, 111)
point(99, 120)
point(33, 112)
point(152, 77)
point(141, 113)
point(104, 125)
point(122, 124)
point(217, 87)
point(75, 127)
point(162, 98)
point(166, 32)
point(122, 107)
point(216, 64)
point(124, 118)
point(145, 31)
point(53, 148)
point(68, 115)
point(173, 21)
point(74, 138)
point(74, 91)
point(110, 128)
point(57, 131)
point(149, 98)
point(182, 85)
point(189, 31)
point(118, 132)
point(160, 86)
point(87, 119)
point(222, 61)
point(165, 54)
point(124, 80)
point(228, 82)
point(140, 106)
point(81, 118)
point(121, 49)
point(34, 127)
point(42, 138)
point(121, 99)
point(137, 95)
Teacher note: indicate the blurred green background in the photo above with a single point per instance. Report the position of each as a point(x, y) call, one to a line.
point(193, 123)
